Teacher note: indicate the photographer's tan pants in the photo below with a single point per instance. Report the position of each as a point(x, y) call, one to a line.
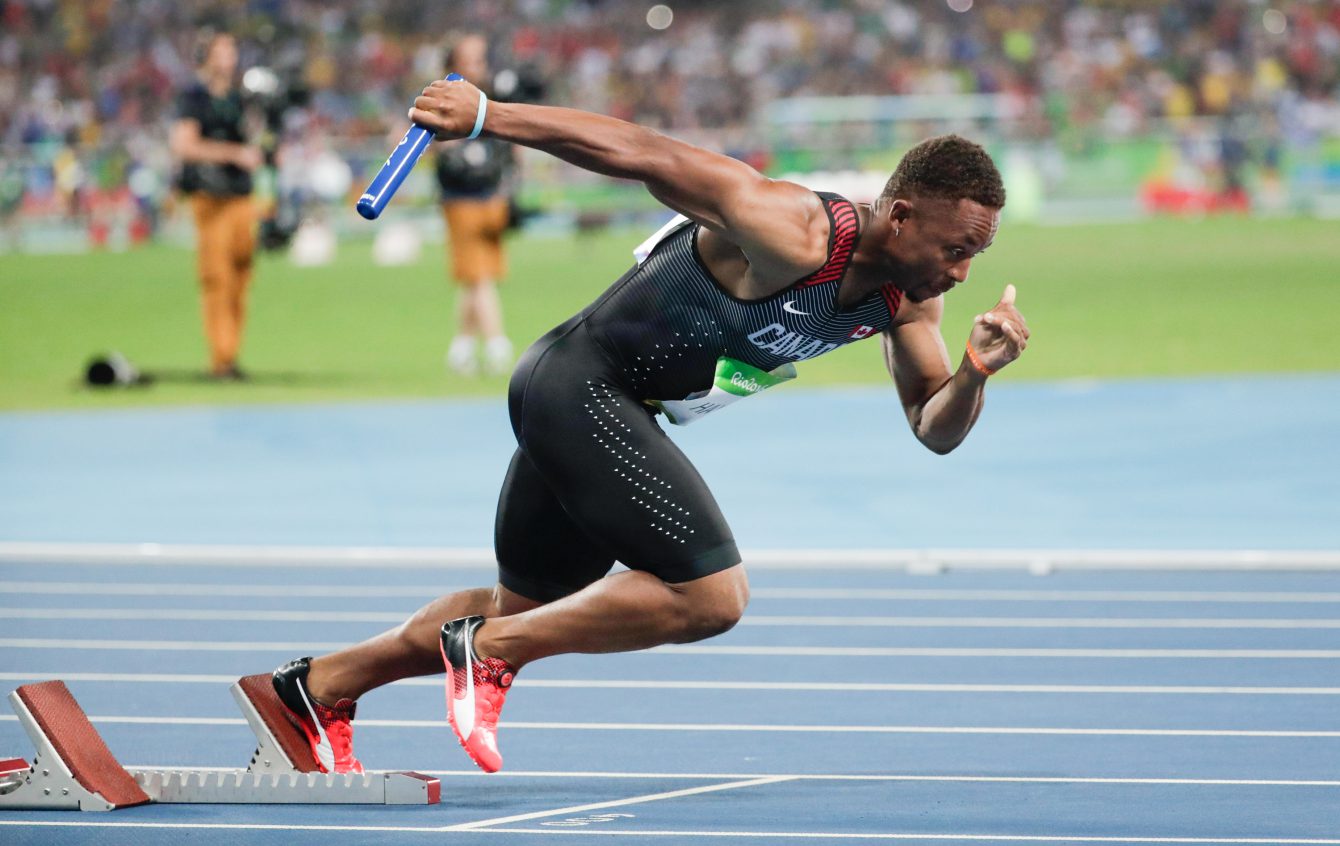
point(475, 229)
point(226, 239)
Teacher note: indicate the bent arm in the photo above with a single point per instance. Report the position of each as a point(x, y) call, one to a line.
point(188, 145)
point(780, 226)
point(941, 402)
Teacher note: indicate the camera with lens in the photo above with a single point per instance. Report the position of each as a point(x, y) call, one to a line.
point(522, 84)
point(272, 96)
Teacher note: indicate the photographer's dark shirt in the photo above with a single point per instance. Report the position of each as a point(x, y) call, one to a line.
point(472, 169)
point(220, 119)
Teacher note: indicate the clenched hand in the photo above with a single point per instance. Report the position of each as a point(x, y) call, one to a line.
point(447, 108)
point(1000, 335)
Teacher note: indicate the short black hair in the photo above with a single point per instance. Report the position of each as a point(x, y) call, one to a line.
point(947, 167)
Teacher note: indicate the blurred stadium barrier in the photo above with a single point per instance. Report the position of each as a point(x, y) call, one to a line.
point(54, 199)
point(1236, 163)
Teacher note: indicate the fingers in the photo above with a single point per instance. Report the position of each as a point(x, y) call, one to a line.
point(249, 158)
point(426, 119)
point(1005, 328)
point(1005, 333)
point(443, 87)
point(1009, 328)
point(442, 107)
point(1016, 338)
point(424, 106)
point(1001, 315)
point(437, 86)
point(428, 101)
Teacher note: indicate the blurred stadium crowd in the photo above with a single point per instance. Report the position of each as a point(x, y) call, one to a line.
point(87, 86)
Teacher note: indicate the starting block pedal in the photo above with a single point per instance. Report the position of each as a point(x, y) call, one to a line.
point(74, 769)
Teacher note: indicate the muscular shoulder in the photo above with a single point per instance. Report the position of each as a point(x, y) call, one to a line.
point(803, 216)
point(779, 232)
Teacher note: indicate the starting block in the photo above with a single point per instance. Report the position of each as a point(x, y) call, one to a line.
point(74, 770)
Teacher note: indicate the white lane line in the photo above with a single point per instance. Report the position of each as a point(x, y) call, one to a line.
point(965, 595)
point(1171, 782)
point(550, 774)
point(982, 652)
point(242, 615)
point(327, 617)
point(102, 644)
point(897, 687)
point(740, 727)
point(914, 560)
point(112, 554)
point(975, 838)
point(419, 592)
point(237, 556)
point(20, 823)
point(1037, 622)
point(765, 835)
point(87, 588)
point(136, 678)
point(662, 684)
point(168, 645)
point(997, 730)
point(616, 803)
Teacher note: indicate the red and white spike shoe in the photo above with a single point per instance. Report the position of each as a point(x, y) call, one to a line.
point(327, 727)
point(476, 689)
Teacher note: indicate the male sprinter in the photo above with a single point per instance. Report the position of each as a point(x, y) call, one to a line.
point(758, 274)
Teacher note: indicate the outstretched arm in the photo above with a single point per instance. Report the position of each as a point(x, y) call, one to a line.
point(780, 226)
point(941, 402)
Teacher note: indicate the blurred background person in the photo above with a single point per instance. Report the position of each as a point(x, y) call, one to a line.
point(209, 140)
point(475, 177)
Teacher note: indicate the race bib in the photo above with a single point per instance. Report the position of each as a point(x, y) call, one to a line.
point(734, 381)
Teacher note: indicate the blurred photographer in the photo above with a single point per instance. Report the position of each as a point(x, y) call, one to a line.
point(474, 177)
point(209, 140)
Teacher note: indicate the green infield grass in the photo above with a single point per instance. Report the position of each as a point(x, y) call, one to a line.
point(1155, 298)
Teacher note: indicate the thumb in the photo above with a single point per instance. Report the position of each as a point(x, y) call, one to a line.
point(1007, 298)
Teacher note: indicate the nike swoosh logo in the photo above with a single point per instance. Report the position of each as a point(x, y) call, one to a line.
point(789, 307)
point(465, 723)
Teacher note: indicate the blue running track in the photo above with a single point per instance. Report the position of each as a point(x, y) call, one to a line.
point(856, 702)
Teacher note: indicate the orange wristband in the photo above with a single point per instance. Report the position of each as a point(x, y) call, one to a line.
point(977, 362)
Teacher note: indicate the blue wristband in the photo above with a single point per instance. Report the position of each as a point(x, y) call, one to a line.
point(479, 121)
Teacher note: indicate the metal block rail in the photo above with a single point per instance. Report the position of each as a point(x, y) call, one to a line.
point(74, 770)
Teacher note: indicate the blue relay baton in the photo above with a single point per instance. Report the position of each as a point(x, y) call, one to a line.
point(402, 161)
